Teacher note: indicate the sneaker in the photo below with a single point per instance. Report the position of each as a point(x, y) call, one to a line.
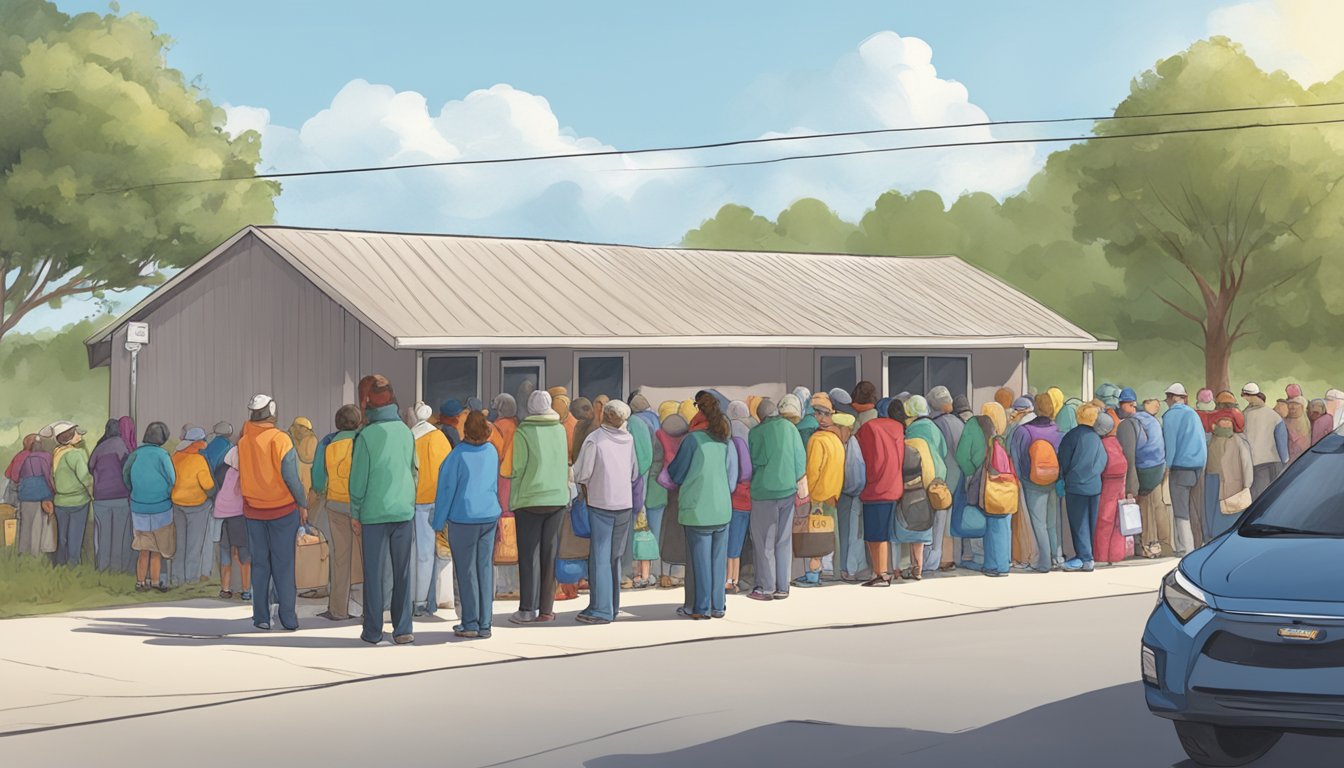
point(403, 639)
point(225, 594)
point(780, 595)
point(462, 631)
point(246, 596)
point(716, 614)
point(419, 611)
point(587, 618)
point(1089, 566)
point(264, 626)
point(162, 588)
point(543, 617)
point(523, 617)
point(995, 574)
point(140, 586)
point(756, 594)
point(1072, 565)
point(807, 580)
point(329, 616)
point(482, 634)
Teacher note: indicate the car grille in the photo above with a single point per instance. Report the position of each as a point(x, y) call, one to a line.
point(1234, 649)
point(1260, 702)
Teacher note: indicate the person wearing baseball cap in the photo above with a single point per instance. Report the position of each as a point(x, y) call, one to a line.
point(1187, 455)
point(73, 491)
point(193, 491)
point(221, 440)
point(1268, 436)
point(275, 505)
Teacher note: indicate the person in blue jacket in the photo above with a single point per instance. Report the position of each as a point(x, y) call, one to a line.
point(1082, 457)
point(1187, 453)
point(468, 500)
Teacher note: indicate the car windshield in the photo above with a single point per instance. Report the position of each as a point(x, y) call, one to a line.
point(1307, 500)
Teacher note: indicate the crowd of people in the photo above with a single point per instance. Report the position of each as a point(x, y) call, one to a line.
point(603, 495)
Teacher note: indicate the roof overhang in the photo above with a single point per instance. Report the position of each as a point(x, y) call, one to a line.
point(865, 342)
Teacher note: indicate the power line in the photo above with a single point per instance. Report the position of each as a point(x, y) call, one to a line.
point(990, 142)
point(767, 140)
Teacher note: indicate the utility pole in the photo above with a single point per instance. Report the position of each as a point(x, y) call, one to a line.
point(137, 336)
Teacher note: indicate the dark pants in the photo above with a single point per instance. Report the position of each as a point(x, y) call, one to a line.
point(538, 543)
point(381, 541)
point(272, 545)
point(1082, 521)
point(70, 524)
point(708, 550)
point(473, 548)
point(1264, 475)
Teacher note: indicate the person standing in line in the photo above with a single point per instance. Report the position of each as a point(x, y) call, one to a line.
point(882, 444)
point(148, 473)
point(111, 497)
point(331, 482)
point(274, 505)
point(1082, 459)
point(608, 471)
point(1204, 408)
point(31, 471)
point(920, 426)
point(305, 448)
point(1268, 437)
point(973, 450)
point(642, 437)
point(1034, 450)
point(807, 421)
point(849, 527)
point(1140, 437)
point(503, 417)
point(940, 406)
point(864, 401)
point(192, 492)
point(220, 443)
point(431, 448)
point(1225, 403)
point(825, 472)
point(843, 401)
point(539, 496)
point(659, 502)
point(383, 482)
point(228, 509)
point(468, 503)
point(705, 472)
point(1187, 454)
point(1321, 422)
point(1227, 477)
point(1298, 427)
point(1108, 546)
point(73, 490)
point(778, 462)
point(740, 426)
point(450, 420)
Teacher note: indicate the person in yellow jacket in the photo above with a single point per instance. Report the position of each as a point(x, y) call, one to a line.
point(193, 490)
point(331, 480)
point(431, 448)
point(825, 475)
point(305, 447)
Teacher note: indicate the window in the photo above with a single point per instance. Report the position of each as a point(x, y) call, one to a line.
point(837, 371)
point(521, 377)
point(917, 375)
point(601, 374)
point(450, 376)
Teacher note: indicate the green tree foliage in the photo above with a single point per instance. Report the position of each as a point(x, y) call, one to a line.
point(807, 225)
point(46, 376)
point(88, 106)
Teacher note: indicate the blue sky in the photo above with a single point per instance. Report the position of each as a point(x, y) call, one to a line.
point(338, 83)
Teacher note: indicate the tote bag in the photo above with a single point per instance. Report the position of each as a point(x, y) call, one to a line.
point(969, 522)
point(1131, 518)
point(813, 530)
point(506, 540)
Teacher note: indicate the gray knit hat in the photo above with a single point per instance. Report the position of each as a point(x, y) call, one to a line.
point(766, 409)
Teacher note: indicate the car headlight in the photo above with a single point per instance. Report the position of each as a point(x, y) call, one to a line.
point(1182, 596)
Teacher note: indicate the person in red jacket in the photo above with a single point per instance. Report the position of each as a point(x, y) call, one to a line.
point(882, 443)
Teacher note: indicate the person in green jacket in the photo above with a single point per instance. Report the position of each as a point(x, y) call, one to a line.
point(778, 462)
point(74, 490)
point(643, 437)
point(382, 507)
point(705, 470)
point(539, 498)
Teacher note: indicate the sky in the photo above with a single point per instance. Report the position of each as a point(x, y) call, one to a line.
point(337, 83)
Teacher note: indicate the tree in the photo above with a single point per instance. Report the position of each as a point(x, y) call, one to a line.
point(89, 106)
point(1219, 235)
point(807, 225)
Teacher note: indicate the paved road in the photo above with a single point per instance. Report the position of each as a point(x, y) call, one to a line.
point(1041, 685)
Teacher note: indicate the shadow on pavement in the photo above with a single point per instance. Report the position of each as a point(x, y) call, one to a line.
point(1109, 728)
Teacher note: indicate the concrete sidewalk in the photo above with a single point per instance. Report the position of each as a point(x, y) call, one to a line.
point(95, 665)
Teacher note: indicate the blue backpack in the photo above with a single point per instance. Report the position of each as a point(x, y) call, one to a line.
point(578, 519)
point(1152, 451)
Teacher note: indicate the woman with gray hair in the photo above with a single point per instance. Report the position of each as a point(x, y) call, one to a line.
point(608, 472)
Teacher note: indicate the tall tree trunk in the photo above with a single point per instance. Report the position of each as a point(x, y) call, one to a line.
point(1217, 356)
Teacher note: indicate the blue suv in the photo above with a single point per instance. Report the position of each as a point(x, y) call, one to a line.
point(1247, 640)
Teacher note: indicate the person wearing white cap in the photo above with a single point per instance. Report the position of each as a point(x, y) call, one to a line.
point(1268, 437)
point(431, 448)
point(73, 491)
point(1334, 405)
point(1187, 455)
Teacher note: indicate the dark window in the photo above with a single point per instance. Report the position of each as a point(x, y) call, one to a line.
point(838, 371)
point(521, 378)
point(950, 372)
point(1308, 498)
point(602, 376)
point(905, 374)
point(450, 377)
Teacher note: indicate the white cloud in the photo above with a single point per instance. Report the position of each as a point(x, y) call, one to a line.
point(1300, 37)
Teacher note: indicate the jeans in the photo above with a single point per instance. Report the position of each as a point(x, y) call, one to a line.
point(998, 543)
point(1043, 507)
point(772, 543)
point(394, 541)
point(1082, 522)
point(606, 547)
point(538, 544)
point(272, 545)
point(423, 572)
point(70, 522)
point(193, 523)
point(473, 546)
point(1053, 523)
point(112, 536)
point(708, 552)
point(655, 515)
point(850, 554)
point(737, 532)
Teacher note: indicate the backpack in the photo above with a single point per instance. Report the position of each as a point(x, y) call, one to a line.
point(914, 511)
point(1001, 489)
point(1042, 463)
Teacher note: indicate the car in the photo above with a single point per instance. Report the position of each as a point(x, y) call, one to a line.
point(1246, 642)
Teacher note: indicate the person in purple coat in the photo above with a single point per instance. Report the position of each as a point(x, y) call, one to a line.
point(1041, 499)
point(111, 498)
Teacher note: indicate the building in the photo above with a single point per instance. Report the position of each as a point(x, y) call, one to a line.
point(302, 314)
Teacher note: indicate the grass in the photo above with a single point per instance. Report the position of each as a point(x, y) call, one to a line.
point(31, 586)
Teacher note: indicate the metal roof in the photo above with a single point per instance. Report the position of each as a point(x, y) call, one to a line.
point(435, 291)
